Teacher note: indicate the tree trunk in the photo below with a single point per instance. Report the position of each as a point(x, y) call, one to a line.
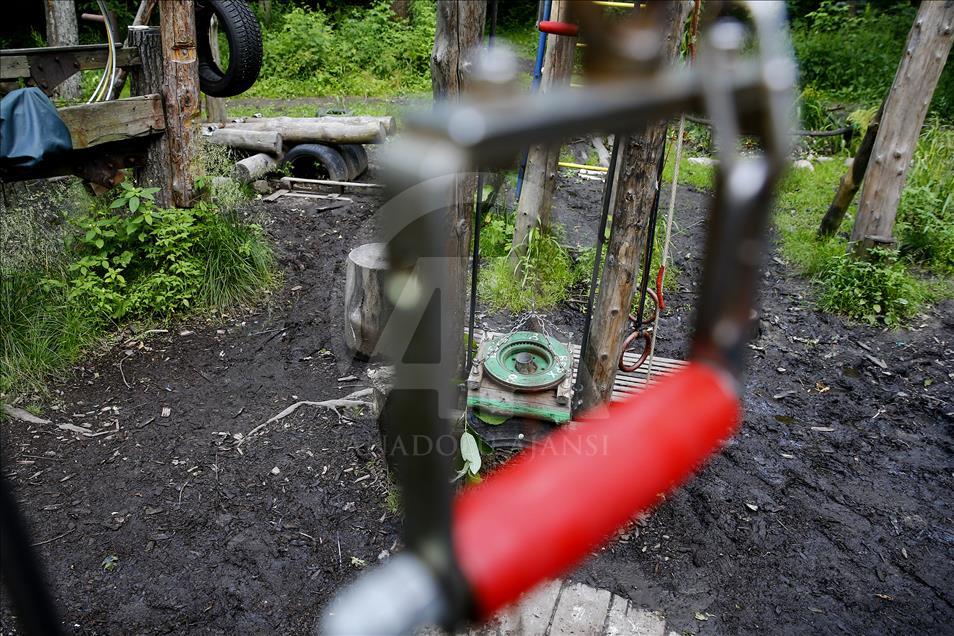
point(367, 308)
point(61, 30)
point(180, 93)
point(539, 176)
point(851, 181)
point(460, 28)
point(635, 194)
point(401, 9)
point(143, 80)
point(141, 18)
point(215, 106)
point(906, 105)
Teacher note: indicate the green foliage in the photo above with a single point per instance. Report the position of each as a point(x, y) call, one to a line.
point(153, 262)
point(851, 51)
point(926, 228)
point(541, 279)
point(874, 289)
point(496, 235)
point(358, 51)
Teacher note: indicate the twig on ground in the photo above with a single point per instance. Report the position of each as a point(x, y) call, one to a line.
point(23, 416)
point(57, 537)
point(349, 401)
point(179, 505)
point(122, 373)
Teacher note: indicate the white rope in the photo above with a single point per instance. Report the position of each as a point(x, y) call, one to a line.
point(665, 255)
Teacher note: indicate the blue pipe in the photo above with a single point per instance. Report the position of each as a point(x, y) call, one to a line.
point(535, 85)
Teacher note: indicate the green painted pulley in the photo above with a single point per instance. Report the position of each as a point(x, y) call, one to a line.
point(527, 361)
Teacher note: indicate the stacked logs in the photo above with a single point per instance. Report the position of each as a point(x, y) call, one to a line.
point(267, 139)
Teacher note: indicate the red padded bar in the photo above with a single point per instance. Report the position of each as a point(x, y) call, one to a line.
point(555, 503)
point(558, 28)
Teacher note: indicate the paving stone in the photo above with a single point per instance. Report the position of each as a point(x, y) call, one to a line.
point(581, 611)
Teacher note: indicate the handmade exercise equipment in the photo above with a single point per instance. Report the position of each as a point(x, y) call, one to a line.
point(539, 515)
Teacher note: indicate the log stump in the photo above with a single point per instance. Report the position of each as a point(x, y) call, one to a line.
point(367, 308)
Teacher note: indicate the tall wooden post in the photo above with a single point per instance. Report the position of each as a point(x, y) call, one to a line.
point(635, 192)
point(906, 105)
point(539, 176)
point(61, 30)
point(460, 28)
point(146, 79)
point(180, 93)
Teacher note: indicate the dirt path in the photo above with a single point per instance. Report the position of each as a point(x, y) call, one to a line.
point(831, 510)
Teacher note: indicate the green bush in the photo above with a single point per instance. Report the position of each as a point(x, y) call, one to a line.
point(354, 52)
point(926, 228)
point(153, 262)
point(872, 290)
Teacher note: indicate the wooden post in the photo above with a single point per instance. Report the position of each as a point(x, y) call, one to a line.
point(215, 106)
point(144, 80)
point(61, 30)
point(539, 176)
point(851, 181)
point(906, 105)
point(143, 13)
point(460, 28)
point(180, 93)
point(635, 192)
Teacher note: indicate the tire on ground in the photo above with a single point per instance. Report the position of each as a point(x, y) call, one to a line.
point(241, 29)
point(316, 161)
point(357, 158)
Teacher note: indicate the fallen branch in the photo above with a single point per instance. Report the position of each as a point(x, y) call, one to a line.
point(23, 416)
point(349, 401)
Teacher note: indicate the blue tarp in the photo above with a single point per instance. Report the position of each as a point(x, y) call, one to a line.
point(30, 129)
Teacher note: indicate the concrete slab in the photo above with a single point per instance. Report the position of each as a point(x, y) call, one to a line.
point(581, 611)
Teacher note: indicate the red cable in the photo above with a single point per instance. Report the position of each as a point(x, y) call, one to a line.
point(549, 508)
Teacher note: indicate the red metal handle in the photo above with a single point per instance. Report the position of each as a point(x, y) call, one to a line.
point(550, 507)
point(558, 28)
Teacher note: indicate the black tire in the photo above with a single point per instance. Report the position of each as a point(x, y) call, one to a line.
point(316, 161)
point(357, 158)
point(241, 29)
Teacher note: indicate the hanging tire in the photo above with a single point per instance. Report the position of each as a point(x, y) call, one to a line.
point(356, 157)
point(316, 161)
point(241, 29)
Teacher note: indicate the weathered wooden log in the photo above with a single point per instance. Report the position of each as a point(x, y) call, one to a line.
point(251, 168)
point(296, 131)
point(252, 140)
point(367, 308)
point(180, 93)
point(390, 127)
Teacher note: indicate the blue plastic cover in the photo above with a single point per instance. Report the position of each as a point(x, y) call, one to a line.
point(30, 129)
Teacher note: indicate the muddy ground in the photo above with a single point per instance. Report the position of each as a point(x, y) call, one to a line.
point(830, 512)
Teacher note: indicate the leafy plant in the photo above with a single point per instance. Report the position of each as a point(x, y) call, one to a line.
point(873, 289)
point(542, 278)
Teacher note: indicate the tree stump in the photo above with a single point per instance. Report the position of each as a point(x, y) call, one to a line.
point(367, 308)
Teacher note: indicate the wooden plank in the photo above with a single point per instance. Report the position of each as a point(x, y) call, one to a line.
point(94, 124)
point(291, 182)
point(14, 66)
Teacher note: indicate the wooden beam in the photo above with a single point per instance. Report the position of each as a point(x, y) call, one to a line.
point(16, 63)
point(180, 93)
point(103, 122)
